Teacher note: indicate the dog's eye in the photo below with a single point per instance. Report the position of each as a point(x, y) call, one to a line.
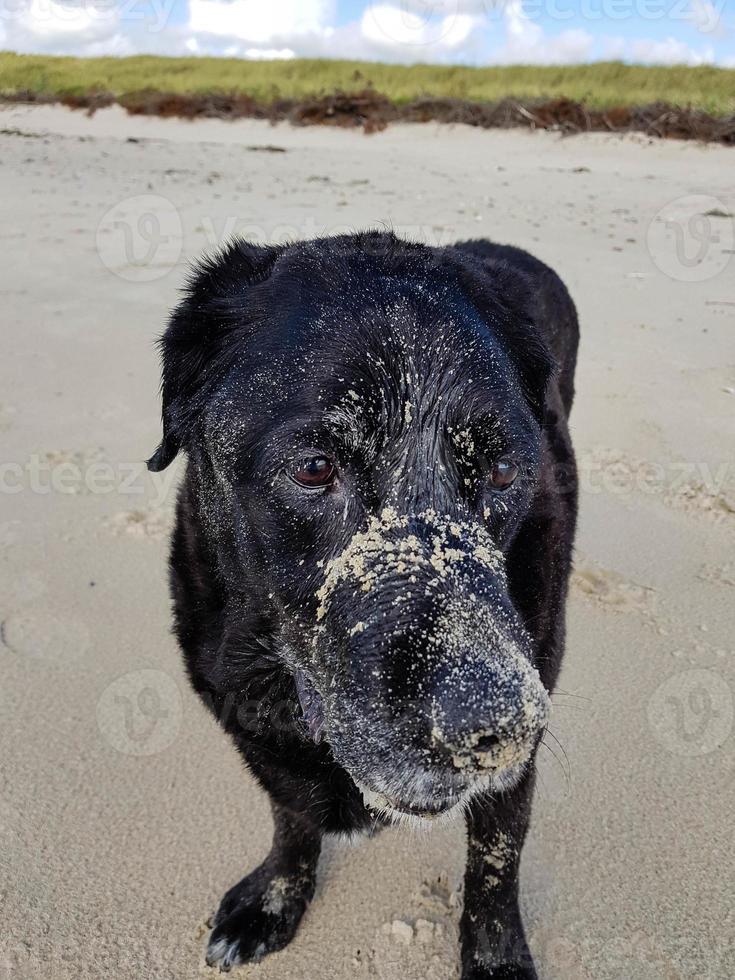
point(318, 471)
point(502, 473)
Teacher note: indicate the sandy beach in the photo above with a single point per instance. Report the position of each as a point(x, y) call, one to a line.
point(120, 799)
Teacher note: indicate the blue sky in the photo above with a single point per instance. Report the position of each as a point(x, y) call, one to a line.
point(405, 31)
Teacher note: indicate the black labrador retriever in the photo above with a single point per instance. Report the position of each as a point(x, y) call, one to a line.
point(373, 540)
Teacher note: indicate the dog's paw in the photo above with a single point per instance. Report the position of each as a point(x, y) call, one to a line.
point(255, 918)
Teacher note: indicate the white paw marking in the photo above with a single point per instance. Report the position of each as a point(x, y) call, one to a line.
point(224, 954)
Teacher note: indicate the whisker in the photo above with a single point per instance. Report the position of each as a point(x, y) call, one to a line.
point(541, 779)
point(563, 750)
point(558, 760)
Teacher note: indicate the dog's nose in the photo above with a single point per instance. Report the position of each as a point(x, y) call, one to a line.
point(486, 743)
point(489, 717)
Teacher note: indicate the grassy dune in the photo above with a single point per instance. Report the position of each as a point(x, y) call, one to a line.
point(599, 85)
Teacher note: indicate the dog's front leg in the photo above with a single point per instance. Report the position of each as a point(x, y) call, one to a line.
point(261, 913)
point(493, 940)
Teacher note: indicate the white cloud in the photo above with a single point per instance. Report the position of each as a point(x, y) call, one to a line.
point(258, 22)
point(50, 25)
point(385, 25)
point(270, 54)
point(669, 52)
point(613, 48)
point(526, 43)
point(520, 28)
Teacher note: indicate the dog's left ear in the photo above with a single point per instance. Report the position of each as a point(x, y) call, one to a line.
point(195, 345)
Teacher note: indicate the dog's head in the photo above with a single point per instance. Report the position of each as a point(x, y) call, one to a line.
point(363, 420)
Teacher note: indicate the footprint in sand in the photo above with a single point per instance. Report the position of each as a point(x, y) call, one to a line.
point(718, 574)
point(402, 945)
point(44, 636)
point(611, 590)
point(153, 524)
point(438, 896)
point(700, 498)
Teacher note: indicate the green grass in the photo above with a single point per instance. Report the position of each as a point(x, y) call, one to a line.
point(600, 85)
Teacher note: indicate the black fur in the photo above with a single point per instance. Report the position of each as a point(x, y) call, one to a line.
point(381, 630)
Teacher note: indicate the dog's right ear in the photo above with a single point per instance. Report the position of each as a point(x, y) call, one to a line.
point(195, 345)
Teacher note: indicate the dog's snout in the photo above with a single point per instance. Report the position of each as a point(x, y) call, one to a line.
point(431, 645)
point(491, 719)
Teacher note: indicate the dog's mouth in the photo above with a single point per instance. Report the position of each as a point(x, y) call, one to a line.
point(384, 804)
point(380, 803)
point(312, 706)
